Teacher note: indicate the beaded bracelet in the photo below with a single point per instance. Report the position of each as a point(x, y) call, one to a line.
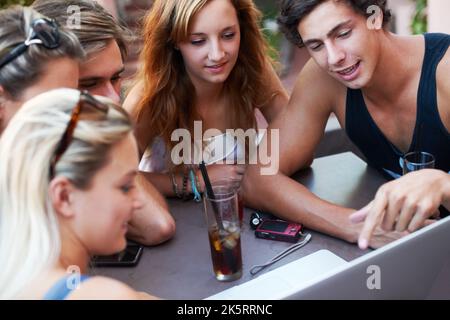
point(184, 190)
point(175, 186)
point(197, 196)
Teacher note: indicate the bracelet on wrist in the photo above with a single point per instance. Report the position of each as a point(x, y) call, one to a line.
point(175, 186)
point(192, 177)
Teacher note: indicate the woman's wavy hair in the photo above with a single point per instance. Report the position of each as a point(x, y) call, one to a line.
point(167, 100)
point(292, 13)
point(30, 239)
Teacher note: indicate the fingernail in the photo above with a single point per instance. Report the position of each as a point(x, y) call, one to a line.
point(363, 244)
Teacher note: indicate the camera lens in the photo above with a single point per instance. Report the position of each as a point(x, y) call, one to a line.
point(255, 220)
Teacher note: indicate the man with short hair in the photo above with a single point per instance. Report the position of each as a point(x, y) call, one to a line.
point(102, 37)
point(391, 94)
point(104, 41)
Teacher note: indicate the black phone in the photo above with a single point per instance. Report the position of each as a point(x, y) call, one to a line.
point(279, 230)
point(126, 258)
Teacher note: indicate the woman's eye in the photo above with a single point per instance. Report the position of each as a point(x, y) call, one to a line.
point(127, 188)
point(197, 42)
point(229, 35)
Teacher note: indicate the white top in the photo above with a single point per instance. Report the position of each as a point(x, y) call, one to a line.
point(224, 147)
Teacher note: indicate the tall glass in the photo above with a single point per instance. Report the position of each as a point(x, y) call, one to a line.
point(224, 232)
point(418, 160)
point(227, 187)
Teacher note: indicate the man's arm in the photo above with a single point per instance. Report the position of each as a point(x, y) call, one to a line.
point(152, 224)
point(301, 126)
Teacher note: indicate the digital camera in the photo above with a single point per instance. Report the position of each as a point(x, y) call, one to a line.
point(279, 230)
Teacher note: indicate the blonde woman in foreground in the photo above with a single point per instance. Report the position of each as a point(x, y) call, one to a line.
point(67, 192)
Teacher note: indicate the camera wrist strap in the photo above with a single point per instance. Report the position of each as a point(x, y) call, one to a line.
point(255, 269)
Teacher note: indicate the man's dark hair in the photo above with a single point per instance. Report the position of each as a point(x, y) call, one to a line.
point(294, 11)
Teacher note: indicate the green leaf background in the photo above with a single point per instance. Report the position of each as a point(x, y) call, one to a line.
point(419, 24)
point(6, 3)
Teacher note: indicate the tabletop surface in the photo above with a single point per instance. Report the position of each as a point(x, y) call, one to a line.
point(182, 268)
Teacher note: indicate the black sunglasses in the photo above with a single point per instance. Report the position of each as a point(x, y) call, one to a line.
point(85, 100)
point(43, 31)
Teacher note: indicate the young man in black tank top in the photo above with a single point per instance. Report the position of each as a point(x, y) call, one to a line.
point(370, 79)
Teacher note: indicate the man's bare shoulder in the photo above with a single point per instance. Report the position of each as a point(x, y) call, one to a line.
point(316, 85)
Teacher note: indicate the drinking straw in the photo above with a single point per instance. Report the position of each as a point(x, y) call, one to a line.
point(210, 193)
point(228, 255)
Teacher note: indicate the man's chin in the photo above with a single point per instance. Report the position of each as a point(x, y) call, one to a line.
point(354, 85)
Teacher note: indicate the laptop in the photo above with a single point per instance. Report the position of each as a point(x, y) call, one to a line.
point(414, 267)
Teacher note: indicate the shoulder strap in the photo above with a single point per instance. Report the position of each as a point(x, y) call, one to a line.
point(436, 45)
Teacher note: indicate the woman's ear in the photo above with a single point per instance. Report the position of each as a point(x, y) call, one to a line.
point(61, 193)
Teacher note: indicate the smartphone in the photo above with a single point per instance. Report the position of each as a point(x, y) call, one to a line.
point(279, 230)
point(126, 258)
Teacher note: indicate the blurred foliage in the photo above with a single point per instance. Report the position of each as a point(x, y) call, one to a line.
point(419, 24)
point(269, 8)
point(6, 3)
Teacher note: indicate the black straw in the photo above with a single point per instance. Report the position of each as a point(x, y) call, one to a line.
point(228, 255)
point(211, 195)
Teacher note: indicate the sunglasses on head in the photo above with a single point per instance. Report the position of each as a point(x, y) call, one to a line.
point(43, 31)
point(86, 100)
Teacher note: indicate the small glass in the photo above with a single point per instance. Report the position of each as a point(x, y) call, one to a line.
point(224, 234)
point(418, 160)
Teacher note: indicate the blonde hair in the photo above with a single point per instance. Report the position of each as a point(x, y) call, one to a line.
point(29, 231)
point(167, 100)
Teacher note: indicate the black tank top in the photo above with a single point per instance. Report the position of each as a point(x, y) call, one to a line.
point(430, 134)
